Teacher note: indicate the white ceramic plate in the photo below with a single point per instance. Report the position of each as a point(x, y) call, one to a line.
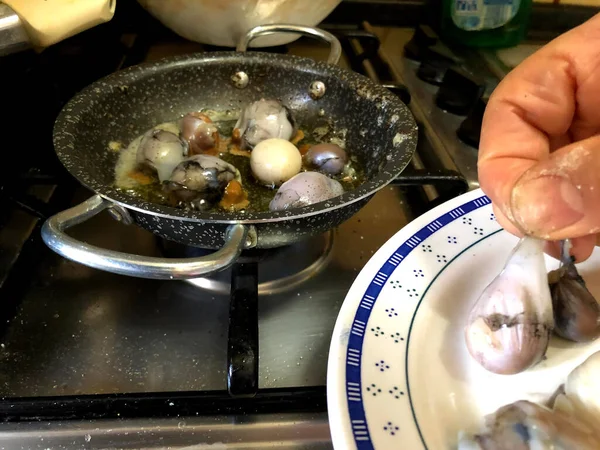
point(399, 375)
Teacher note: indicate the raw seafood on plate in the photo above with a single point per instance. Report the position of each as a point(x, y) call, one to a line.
point(508, 332)
point(509, 326)
point(570, 422)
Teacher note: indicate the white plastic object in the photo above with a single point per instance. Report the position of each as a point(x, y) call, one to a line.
point(47, 22)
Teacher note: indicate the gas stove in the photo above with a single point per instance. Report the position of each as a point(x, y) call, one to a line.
point(95, 360)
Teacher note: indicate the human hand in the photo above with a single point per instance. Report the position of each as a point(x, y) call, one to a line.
point(539, 153)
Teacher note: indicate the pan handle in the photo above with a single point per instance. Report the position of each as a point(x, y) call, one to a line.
point(262, 30)
point(53, 234)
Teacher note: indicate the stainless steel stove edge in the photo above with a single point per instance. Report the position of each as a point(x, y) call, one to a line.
point(249, 432)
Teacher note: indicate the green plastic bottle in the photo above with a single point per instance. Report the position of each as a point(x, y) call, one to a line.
point(485, 23)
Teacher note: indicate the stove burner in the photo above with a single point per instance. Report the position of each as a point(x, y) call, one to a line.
point(284, 268)
point(278, 285)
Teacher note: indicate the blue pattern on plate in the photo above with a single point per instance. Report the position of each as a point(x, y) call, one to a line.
point(382, 365)
point(391, 428)
point(360, 427)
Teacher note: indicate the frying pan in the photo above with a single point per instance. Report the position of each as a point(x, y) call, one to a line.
point(379, 130)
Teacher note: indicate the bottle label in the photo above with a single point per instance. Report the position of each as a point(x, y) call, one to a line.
point(475, 15)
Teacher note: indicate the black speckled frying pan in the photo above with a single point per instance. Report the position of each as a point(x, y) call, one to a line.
point(380, 131)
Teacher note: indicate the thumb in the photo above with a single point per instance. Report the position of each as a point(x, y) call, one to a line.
point(559, 197)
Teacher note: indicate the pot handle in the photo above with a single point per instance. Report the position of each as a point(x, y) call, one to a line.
point(262, 30)
point(53, 234)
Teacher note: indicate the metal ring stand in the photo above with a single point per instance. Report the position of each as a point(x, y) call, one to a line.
point(279, 285)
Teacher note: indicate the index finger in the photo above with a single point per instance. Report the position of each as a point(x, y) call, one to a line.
point(546, 102)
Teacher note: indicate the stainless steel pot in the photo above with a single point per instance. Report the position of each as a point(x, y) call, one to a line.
point(381, 132)
point(224, 22)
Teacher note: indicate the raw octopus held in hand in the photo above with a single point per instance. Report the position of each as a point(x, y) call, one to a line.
point(259, 159)
point(510, 325)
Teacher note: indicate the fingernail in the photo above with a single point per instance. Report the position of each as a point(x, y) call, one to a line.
point(546, 204)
